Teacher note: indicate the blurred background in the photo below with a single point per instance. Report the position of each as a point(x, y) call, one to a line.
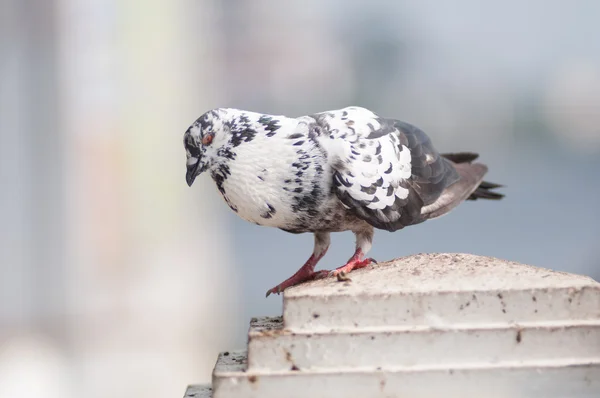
point(118, 280)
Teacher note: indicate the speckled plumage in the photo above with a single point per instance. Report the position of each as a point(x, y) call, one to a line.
point(340, 170)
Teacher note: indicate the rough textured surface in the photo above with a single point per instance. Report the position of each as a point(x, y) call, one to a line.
point(440, 290)
point(271, 347)
point(198, 391)
point(231, 361)
point(558, 379)
point(433, 273)
point(440, 325)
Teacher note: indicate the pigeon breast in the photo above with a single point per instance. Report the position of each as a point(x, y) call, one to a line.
point(275, 174)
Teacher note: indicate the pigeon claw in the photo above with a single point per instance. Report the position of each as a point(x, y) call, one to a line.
point(296, 280)
point(343, 277)
point(351, 265)
point(275, 290)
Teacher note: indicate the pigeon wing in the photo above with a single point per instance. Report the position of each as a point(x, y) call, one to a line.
point(385, 170)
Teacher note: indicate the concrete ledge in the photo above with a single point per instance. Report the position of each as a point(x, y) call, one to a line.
point(441, 290)
point(198, 391)
point(271, 347)
point(569, 378)
point(439, 325)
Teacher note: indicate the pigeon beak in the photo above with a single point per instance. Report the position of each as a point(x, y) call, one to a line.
point(191, 174)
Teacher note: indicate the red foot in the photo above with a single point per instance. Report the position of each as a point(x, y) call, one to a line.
point(297, 279)
point(352, 264)
point(304, 274)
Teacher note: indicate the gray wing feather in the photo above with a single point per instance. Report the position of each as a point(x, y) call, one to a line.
point(431, 173)
point(374, 181)
point(471, 175)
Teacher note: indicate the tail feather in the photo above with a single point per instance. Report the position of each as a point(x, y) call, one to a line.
point(460, 157)
point(470, 185)
point(471, 176)
point(489, 185)
point(484, 189)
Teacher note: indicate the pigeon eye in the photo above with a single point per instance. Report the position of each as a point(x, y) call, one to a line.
point(207, 139)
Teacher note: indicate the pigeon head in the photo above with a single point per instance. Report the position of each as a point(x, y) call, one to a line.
point(202, 141)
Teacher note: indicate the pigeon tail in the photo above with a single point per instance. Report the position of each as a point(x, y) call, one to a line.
point(484, 191)
point(485, 188)
point(470, 186)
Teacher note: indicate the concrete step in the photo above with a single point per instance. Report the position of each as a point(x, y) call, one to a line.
point(439, 290)
point(198, 391)
point(567, 378)
point(271, 347)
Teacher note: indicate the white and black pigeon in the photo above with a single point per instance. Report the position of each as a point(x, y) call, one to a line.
point(341, 170)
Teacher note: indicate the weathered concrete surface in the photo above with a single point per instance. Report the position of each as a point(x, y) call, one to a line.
point(271, 347)
point(556, 379)
point(198, 391)
point(439, 325)
point(442, 290)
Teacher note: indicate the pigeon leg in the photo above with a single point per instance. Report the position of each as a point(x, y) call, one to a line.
point(364, 240)
point(307, 271)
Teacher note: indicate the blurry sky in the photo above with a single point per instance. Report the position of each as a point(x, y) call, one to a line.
point(116, 279)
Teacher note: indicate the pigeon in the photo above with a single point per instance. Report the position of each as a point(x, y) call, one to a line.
point(341, 170)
